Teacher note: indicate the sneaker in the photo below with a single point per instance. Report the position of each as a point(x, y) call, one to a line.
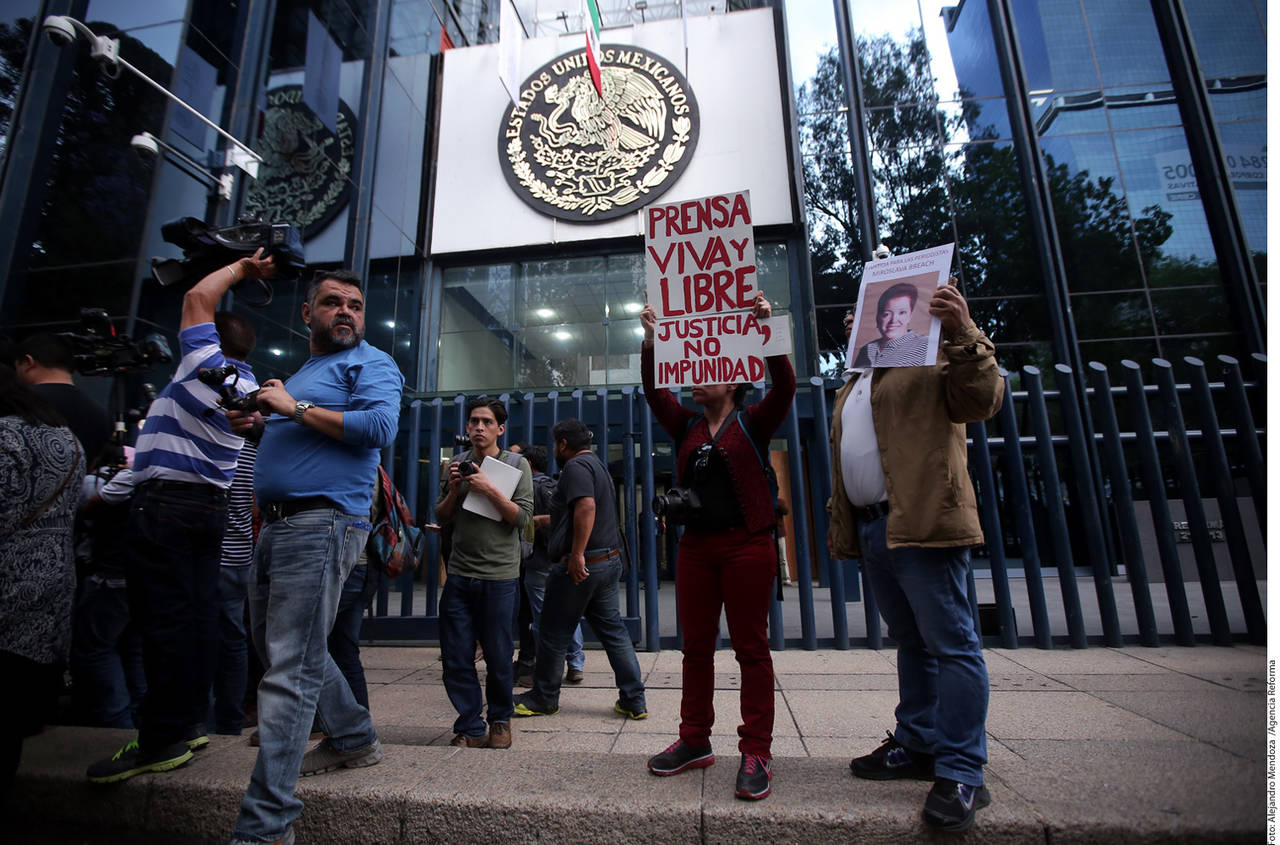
point(129, 761)
point(466, 741)
point(196, 738)
point(527, 705)
point(325, 758)
point(891, 761)
point(287, 839)
point(951, 805)
point(523, 674)
point(755, 774)
point(573, 676)
point(499, 735)
point(636, 712)
point(680, 756)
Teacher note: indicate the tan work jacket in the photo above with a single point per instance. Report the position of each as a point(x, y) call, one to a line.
point(919, 415)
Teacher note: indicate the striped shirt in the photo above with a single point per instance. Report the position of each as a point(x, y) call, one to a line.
point(237, 540)
point(910, 350)
point(179, 440)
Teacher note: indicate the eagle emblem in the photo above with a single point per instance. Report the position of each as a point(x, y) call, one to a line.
point(574, 154)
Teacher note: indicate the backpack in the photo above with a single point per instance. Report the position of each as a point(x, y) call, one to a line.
point(395, 543)
point(544, 487)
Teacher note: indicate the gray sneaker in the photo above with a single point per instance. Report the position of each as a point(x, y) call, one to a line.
point(325, 758)
point(287, 839)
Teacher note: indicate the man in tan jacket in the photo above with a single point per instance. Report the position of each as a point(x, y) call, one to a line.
point(902, 502)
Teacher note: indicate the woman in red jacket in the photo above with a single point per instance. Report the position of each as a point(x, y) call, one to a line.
point(727, 557)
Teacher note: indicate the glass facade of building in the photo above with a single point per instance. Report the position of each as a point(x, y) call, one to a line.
point(1141, 267)
point(1142, 276)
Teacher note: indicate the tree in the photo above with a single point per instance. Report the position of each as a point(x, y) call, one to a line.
point(928, 190)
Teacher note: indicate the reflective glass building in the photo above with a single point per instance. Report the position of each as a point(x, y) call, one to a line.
point(1100, 164)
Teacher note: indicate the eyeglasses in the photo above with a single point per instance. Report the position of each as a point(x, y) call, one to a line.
point(482, 421)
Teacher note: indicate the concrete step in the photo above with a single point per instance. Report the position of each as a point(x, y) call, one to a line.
point(1058, 792)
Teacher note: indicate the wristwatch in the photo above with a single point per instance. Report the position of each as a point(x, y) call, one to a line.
point(300, 409)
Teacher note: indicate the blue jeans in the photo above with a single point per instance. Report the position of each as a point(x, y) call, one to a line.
point(535, 587)
point(942, 678)
point(344, 639)
point(232, 673)
point(106, 655)
point(471, 610)
point(175, 541)
point(596, 598)
point(298, 570)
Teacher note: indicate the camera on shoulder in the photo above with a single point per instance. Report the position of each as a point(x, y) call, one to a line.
point(205, 248)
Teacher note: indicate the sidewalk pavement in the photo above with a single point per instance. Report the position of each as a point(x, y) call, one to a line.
point(1131, 745)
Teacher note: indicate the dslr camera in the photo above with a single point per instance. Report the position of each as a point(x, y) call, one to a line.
point(97, 350)
point(679, 505)
point(216, 377)
point(466, 468)
point(206, 248)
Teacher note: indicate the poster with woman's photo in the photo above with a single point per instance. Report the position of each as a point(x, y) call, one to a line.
point(892, 326)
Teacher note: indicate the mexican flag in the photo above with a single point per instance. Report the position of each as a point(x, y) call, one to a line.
point(591, 20)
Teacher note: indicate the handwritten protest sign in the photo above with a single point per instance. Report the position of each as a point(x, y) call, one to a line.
point(700, 273)
point(892, 326)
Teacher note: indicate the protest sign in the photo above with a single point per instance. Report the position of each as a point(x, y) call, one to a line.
point(700, 273)
point(892, 326)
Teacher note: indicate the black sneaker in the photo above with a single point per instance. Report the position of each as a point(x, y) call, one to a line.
point(679, 757)
point(527, 705)
point(951, 805)
point(631, 711)
point(129, 761)
point(196, 738)
point(891, 761)
point(755, 774)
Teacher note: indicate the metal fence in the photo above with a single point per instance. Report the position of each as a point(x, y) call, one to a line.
point(1127, 474)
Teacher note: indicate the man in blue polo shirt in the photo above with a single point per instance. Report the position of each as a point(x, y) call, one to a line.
point(183, 463)
point(314, 482)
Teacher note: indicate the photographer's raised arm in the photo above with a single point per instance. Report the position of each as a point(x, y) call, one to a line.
point(199, 303)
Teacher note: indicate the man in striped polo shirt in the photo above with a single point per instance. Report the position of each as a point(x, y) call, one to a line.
point(183, 464)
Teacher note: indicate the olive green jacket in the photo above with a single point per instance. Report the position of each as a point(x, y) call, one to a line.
point(919, 415)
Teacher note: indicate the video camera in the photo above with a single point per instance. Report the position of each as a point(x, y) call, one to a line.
point(216, 377)
point(97, 350)
point(206, 248)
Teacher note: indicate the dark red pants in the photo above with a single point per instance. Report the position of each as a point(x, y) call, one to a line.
point(733, 570)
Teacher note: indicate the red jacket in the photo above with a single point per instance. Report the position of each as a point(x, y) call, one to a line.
point(762, 418)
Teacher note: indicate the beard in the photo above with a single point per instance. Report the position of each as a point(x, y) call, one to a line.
point(326, 339)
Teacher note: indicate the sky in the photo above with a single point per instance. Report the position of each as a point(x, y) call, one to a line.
point(811, 31)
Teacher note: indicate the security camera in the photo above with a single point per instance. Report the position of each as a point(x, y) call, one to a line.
point(881, 253)
point(59, 30)
point(106, 52)
point(145, 145)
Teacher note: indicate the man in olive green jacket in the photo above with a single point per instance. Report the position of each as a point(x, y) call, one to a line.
point(902, 502)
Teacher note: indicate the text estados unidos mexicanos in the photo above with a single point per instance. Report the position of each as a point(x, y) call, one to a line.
point(711, 371)
point(659, 72)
